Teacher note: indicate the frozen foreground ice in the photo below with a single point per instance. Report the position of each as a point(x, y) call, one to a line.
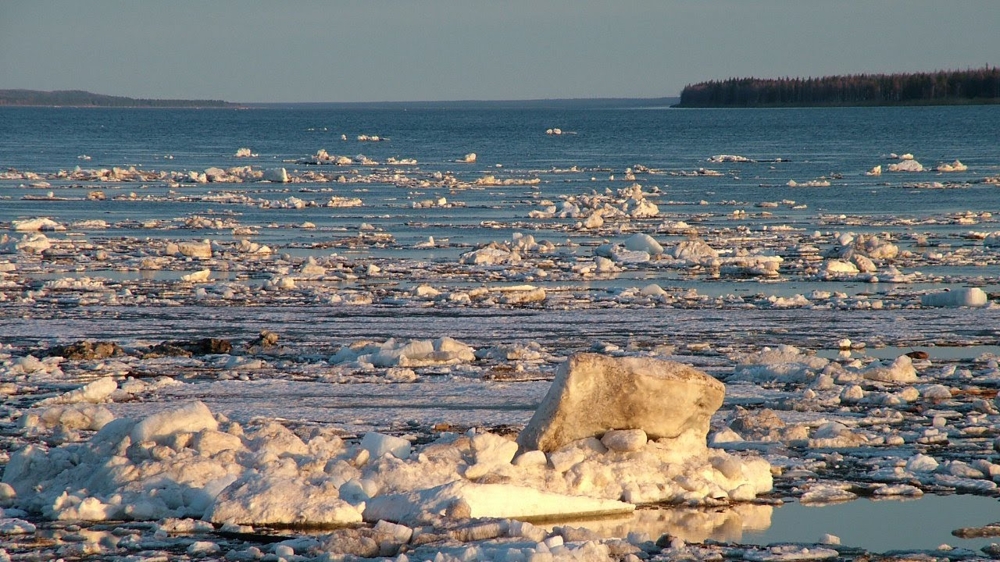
point(185, 463)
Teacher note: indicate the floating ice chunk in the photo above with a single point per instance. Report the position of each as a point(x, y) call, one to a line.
point(643, 243)
point(487, 500)
point(244, 152)
point(415, 353)
point(921, 463)
point(784, 553)
point(795, 301)
point(720, 158)
point(200, 276)
point(31, 243)
point(835, 435)
point(200, 250)
point(694, 251)
point(554, 131)
point(469, 158)
point(32, 225)
point(906, 165)
point(529, 296)
point(492, 254)
point(955, 166)
point(785, 363)
point(827, 493)
point(275, 175)
point(900, 371)
point(75, 416)
point(13, 526)
point(810, 183)
point(592, 394)
point(93, 393)
point(652, 290)
point(876, 171)
point(970, 296)
point(841, 267)
point(312, 269)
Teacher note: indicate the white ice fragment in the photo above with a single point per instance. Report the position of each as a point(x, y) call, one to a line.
point(201, 250)
point(841, 267)
point(900, 371)
point(378, 444)
point(203, 548)
point(593, 394)
point(956, 166)
point(41, 223)
point(695, 251)
point(275, 175)
point(921, 463)
point(190, 417)
point(643, 243)
point(953, 298)
point(261, 498)
point(74, 416)
point(94, 393)
point(488, 500)
point(14, 526)
point(826, 493)
point(200, 276)
point(783, 553)
point(653, 290)
point(906, 165)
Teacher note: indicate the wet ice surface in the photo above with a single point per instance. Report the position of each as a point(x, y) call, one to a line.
point(525, 266)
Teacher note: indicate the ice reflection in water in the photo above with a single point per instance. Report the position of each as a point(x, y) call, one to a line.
point(876, 526)
point(696, 525)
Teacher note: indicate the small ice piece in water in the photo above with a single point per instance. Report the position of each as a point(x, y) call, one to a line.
point(956, 166)
point(469, 158)
point(198, 276)
point(275, 175)
point(901, 370)
point(906, 165)
point(643, 243)
point(970, 296)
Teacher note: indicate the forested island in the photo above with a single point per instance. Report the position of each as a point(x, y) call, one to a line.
point(975, 86)
point(80, 98)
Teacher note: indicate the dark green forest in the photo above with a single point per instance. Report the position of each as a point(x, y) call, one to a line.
point(80, 98)
point(943, 87)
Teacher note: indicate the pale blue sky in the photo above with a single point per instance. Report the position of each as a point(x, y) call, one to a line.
point(404, 50)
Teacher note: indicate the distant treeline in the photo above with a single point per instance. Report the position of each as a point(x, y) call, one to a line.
point(80, 98)
point(943, 87)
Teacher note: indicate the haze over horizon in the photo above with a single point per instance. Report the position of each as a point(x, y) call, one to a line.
point(437, 50)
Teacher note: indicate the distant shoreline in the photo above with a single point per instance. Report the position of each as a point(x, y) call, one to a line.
point(946, 87)
point(82, 99)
